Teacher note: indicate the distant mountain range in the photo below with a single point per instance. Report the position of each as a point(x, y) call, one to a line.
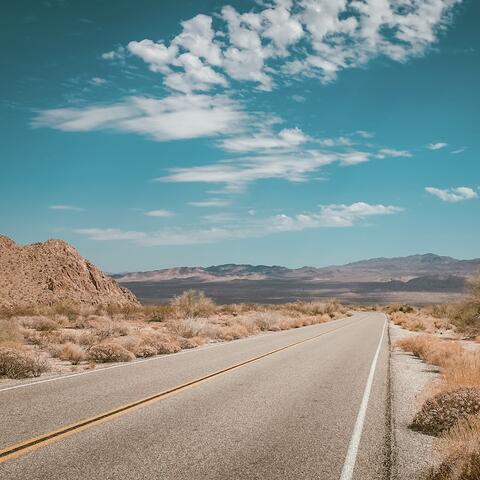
point(419, 279)
point(401, 269)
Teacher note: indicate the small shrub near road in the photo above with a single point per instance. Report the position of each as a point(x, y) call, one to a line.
point(72, 353)
point(16, 363)
point(110, 352)
point(441, 412)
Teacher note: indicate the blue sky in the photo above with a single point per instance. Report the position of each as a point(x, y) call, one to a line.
point(153, 134)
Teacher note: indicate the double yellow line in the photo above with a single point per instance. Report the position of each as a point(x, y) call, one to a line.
point(15, 451)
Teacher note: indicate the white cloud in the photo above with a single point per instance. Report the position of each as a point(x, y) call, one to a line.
point(117, 54)
point(436, 146)
point(453, 194)
point(159, 213)
point(310, 37)
point(66, 207)
point(285, 139)
point(390, 152)
point(110, 234)
point(97, 81)
point(458, 150)
point(170, 118)
point(236, 173)
point(228, 228)
point(211, 202)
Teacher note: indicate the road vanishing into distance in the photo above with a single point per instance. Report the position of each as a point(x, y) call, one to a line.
point(308, 403)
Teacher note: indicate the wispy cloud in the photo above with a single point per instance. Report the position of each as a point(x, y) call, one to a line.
point(170, 118)
point(210, 202)
point(458, 150)
point(453, 194)
point(286, 139)
point(328, 216)
point(437, 146)
point(159, 213)
point(70, 208)
point(294, 166)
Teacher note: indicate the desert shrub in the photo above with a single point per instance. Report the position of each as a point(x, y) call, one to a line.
point(460, 449)
point(142, 350)
point(445, 409)
point(465, 317)
point(396, 307)
point(192, 342)
point(108, 329)
point(10, 332)
point(72, 353)
point(162, 343)
point(110, 352)
point(269, 320)
point(192, 327)
point(193, 303)
point(159, 313)
point(40, 323)
point(16, 363)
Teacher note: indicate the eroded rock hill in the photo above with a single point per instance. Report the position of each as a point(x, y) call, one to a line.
point(54, 272)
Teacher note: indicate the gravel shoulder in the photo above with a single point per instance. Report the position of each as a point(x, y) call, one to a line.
point(414, 452)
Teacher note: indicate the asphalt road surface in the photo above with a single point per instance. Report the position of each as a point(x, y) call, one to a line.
point(308, 403)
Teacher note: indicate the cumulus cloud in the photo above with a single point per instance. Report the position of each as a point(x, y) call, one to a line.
point(170, 118)
point(71, 208)
point(436, 146)
point(162, 213)
point(228, 228)
point(302, 37)
point(453, 194)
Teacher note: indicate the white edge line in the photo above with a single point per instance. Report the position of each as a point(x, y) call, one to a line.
point(157, 357)
point(351, 457)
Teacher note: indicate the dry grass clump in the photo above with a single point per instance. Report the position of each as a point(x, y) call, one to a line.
point(72, 353)
point(459, 380)
point(398, 307)
point(40, 323)
point(10, 332)
point(445, 409)
point(19, 363)
point(193, 303)
point(110, 352)
point(460, 449)
point(419, 321)
point(431, 349)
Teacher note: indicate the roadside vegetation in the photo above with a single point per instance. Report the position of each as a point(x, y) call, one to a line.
point(451, 405)
point(64, 337)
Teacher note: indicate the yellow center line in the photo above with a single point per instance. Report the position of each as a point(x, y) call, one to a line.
point(19, 449)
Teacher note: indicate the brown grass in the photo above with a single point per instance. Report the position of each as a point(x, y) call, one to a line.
point(72, 353)
point(460, 450)
point(80, 335)
point(10, 332)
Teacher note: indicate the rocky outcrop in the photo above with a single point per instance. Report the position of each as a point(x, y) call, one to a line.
point(54, 272)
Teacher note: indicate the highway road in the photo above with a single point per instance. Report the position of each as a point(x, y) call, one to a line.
point(308, 403)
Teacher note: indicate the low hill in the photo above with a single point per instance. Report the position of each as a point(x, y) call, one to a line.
point(54, 272)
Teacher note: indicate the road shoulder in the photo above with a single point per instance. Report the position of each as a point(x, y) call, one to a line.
point(414, 452)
